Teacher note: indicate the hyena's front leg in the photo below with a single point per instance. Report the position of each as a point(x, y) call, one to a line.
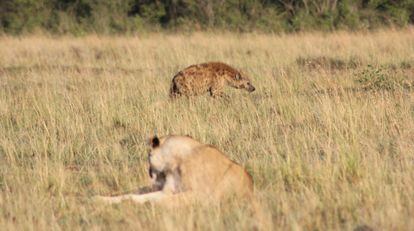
point(216, 91)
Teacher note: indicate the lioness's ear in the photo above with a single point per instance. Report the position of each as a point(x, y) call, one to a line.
point(154, 142)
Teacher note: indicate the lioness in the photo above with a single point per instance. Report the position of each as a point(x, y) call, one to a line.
point(182, 167)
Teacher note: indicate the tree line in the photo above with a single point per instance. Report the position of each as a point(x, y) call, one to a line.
point(129, 16)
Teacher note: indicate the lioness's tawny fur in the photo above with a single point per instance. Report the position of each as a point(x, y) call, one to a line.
point(209, 77)
point(182, 167)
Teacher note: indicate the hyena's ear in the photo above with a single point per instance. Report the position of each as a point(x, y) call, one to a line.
point(238, 76)
point(154, 142)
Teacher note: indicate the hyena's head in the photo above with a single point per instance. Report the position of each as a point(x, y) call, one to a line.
point(241, 81)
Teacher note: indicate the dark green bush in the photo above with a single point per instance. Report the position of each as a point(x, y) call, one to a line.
point(123, 16)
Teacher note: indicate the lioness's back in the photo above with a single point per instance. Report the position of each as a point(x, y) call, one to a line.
point(209, 171)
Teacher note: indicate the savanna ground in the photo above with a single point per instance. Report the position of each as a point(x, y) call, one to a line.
point(328, 135)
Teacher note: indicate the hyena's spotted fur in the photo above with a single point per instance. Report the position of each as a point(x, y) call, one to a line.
point(209, 77)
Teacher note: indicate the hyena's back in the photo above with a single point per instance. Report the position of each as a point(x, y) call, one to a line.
point(193, 80)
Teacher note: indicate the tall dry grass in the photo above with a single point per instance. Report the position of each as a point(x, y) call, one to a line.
point(325, 153)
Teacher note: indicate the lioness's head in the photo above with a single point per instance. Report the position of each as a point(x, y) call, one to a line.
point(241, 81)
point(166, 152)
point(155, 155)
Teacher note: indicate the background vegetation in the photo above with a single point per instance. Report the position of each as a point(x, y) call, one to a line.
point(129, 16)
point(328, 135)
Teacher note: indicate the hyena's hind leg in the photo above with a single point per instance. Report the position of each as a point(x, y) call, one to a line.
point(174, 91)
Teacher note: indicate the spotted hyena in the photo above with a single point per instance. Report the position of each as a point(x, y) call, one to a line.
point(209, 77)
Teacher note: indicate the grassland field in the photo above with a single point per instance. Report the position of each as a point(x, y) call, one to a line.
point(328, 135)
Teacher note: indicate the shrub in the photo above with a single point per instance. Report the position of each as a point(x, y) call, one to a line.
point(379, 78)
